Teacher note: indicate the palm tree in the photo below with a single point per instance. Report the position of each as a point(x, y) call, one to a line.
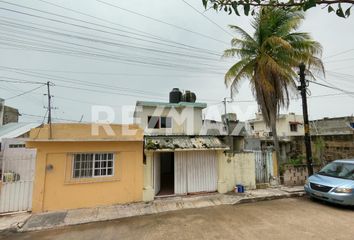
point(270, 58)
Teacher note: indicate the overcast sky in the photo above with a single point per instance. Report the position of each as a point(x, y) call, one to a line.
point(114, 57)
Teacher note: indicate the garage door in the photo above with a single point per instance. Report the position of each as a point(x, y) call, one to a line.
point(195, 171)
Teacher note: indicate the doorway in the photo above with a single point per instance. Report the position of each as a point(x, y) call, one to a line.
point(167, 174)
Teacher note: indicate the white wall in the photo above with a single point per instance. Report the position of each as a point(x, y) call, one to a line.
point(283, 126)
point(185, 120)
point(239, 168)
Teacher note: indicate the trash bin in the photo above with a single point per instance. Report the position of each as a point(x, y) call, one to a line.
point(240, 188)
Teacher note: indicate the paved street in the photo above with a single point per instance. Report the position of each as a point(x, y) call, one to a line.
point(296, 218)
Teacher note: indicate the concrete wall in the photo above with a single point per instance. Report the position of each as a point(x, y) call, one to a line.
point(10, 115)
point(296, 175)
point(239, 168)
point(56, 189)
point(185, 120)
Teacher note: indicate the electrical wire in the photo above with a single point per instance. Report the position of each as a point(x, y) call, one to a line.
point(145, 34)
point(207, 18)
point(161, 21)
point(23, 93)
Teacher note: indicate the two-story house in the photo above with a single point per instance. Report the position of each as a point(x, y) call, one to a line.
point(288, 126)
point(177, 159)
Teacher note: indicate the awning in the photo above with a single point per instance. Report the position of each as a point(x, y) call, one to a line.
point(180, 143)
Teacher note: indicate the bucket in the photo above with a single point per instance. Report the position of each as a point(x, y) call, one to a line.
point(240, 188)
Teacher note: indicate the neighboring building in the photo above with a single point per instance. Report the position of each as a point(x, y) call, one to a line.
point(8, 114)
point(14, 135)
point(289, 126)
point(179, 160)
point(77, 168)
point(332, 138)
point(230, 130)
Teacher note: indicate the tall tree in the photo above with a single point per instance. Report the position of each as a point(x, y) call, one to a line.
point(340, 7)
point(269, 59)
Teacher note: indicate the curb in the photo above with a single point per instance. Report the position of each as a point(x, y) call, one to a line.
point(20, 229)
point(269, 198)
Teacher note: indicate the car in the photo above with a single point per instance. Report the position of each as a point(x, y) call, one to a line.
point(334, 183)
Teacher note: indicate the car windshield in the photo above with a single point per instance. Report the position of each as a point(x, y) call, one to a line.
point(339, 170)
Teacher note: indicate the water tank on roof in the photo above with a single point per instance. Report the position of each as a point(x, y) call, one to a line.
point(175, 96)
point(189, 96)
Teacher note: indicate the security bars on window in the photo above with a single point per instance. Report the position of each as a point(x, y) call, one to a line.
point(87, 165)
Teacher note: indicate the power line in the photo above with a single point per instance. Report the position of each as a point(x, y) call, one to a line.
point(23, 93)
point(87, 22)
point(339, 60)
point(161, 21)
point(124, 59)
point(19, 81)
point(340, 53)
point(207, 18)
point(45, 117)
point(349, 93)
point(145, 34)
point(110, 43)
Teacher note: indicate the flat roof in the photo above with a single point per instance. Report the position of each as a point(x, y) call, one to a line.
point(166, 104)
point(82, 132)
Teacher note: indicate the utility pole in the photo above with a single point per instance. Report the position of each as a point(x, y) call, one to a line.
point(303, 88)
point(49, 109)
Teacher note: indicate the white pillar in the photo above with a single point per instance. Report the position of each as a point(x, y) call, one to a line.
point(222, 186)
point(148, 191)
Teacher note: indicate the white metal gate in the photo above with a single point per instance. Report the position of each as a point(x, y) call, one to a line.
point(18, 166)
point(157, 172)
point(195, 171)
point(264, 166)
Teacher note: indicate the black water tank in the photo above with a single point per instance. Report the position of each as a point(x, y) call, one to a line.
point(175, 96)
point(189, 96)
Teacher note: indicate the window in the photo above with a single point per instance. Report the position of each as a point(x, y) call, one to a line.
point(87, 165)
point(166, 122)
point(293, 127)
point(17, 145)
point(159, 122)
point(153, 122)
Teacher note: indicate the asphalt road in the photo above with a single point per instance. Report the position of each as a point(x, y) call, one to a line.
point(298, 218)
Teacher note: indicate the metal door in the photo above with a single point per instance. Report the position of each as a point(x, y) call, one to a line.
point(18, 166)
point(201, 171)
point(264, 166)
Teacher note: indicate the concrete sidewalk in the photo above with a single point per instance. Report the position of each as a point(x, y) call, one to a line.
point(87, 215)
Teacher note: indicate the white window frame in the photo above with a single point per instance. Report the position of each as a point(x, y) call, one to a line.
point(93, 165)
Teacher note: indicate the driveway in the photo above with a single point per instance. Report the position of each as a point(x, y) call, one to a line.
point(297, 218)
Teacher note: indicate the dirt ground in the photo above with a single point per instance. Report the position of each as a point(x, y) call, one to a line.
point(298, 218)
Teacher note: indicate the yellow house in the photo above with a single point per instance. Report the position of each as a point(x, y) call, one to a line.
point(85, 165)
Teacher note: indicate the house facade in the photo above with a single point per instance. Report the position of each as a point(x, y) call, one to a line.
point(289, 127)
point(332, 138)
point(77, 167)
point(179, 158)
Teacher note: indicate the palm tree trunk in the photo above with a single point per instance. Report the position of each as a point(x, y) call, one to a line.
point(276, 145)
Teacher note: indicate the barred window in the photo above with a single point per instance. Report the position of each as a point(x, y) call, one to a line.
point(87, 165)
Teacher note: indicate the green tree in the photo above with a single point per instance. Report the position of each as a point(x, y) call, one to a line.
point(269, 60)
point(340, 7)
